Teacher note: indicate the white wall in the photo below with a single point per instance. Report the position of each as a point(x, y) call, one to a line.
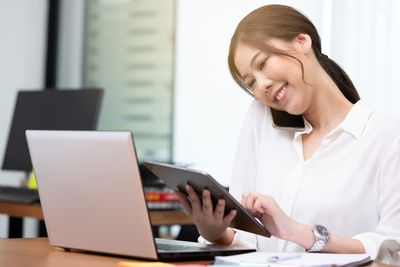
point(22, 53)
point(366, 41)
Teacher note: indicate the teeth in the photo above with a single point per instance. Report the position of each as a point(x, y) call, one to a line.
point(281, 93)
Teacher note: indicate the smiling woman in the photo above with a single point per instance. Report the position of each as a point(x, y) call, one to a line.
point(283, 24)
point(330, 187)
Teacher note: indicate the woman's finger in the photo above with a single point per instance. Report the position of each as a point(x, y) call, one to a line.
point(259, 204)
point(251, 198)
point(220, 209)
point(229, 217)
point(266, 204)
point(254, 212)
point(207, 203)
point(185, 202)
point(194, 200)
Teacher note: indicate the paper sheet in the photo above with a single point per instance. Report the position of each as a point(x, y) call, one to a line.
point(298, 259)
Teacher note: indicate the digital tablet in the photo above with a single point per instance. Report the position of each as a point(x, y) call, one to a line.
point(177, 177)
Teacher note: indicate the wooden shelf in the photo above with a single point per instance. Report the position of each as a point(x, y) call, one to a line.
point(158, 217)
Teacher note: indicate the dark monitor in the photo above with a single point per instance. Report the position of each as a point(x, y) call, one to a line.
point(48, 110)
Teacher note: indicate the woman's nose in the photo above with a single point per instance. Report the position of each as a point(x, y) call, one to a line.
point(263, 84)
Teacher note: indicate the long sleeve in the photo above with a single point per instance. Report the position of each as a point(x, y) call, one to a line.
point(383, 245)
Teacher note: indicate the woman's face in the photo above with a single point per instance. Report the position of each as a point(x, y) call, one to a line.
point(276, 80)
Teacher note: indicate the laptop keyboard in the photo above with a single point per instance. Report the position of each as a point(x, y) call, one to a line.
point(173, 247)
point(18, 195)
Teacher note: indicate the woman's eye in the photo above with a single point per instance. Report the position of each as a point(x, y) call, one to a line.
point(262, 64)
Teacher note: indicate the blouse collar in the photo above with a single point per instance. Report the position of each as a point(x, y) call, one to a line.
point(354, 122)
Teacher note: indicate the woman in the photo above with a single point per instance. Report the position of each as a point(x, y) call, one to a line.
point(332, 187)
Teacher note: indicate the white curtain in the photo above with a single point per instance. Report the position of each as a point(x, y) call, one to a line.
point(365, 41)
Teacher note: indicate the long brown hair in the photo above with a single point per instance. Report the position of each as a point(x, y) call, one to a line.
point(285, 23)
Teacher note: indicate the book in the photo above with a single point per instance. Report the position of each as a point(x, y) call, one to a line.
point(162, 199)
point(303, 259)
point(144, 264)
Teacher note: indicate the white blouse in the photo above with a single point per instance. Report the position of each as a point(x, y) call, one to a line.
point(351, 184)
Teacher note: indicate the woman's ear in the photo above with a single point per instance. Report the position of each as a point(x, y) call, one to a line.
point(303, 43)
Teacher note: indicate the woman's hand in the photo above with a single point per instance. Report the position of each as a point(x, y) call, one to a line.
point(282, 226)
point(270, 214)
point(211, 224)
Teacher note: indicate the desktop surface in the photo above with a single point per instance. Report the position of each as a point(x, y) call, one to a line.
point(35, 252)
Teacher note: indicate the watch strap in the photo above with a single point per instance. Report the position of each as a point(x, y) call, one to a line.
point(317, 247)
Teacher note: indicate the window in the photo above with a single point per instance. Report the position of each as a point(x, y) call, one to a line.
point(129, 52)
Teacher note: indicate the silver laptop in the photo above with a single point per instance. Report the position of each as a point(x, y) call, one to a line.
point(92, 197)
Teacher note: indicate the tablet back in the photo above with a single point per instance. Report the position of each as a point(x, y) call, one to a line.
point(177, 177)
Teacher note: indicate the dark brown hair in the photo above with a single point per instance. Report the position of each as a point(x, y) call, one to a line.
point(285, 23)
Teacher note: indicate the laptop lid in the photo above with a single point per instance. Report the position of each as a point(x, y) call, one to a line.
point(91, 193)
point(92, 196)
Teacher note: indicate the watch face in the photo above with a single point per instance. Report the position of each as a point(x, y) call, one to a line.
point(321, 230)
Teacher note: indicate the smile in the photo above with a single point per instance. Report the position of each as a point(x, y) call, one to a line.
point(280, 95)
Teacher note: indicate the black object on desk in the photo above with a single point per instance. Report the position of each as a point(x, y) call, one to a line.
point(18, 195)
point(44, 110)
point(48, 110)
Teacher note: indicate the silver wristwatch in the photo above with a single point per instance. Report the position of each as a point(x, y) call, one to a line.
point(321, 235)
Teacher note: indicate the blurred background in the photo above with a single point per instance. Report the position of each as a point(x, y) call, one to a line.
point(163, 67)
